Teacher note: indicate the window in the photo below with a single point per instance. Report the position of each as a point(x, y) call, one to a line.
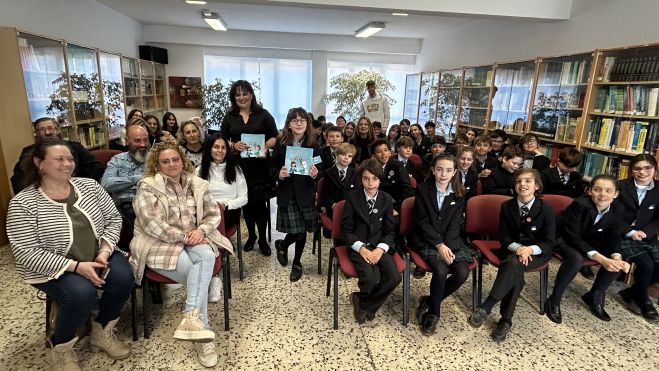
point(283, 83)
point(395, 73)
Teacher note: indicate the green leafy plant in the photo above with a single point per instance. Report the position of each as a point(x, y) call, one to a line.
point(86, 97)
point(447, 105)
point(215, 102)
point(112, 101)
point(349, 90)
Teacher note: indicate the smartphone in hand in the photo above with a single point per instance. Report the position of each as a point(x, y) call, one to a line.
point(102, 273)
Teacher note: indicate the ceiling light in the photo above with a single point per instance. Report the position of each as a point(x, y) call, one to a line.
point(196, 2)
point(370, 29)
point(400, 14)
point(213, 20)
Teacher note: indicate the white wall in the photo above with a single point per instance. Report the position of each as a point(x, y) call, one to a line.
point(594, 24)
point(84, 22)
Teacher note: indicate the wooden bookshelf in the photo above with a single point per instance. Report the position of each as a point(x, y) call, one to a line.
point(144, 83)
point(475, 101)
point(511, 100)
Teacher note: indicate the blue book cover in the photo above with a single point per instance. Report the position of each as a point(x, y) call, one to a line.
point(298, 160)
point(255, 145)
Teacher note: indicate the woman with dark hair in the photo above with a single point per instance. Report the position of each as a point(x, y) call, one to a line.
point(348, 131)
point(135, 113)
point(190, 137)
point(156, 134)
point(392, 137)
point(63, 232)
point(362, 139)
point(341, 122)
point(169, 123)
point(421, 141)
point(246, 116)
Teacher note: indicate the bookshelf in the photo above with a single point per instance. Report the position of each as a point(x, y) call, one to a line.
point(475, 97)
point(428, 97)
point(448, 102)
point(144, 83)
point(560, 96)
point(513, 85)
point(411, 103)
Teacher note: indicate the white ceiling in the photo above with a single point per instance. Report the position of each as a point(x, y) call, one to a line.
point(341, 17)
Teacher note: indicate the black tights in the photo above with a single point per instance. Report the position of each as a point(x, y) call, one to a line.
point(300, 239)
point(441, 285)
point(646, 273)
point(256, 214)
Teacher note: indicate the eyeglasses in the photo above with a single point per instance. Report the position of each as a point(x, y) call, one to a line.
point(637, 169)
point(298, 121)
point(531, 141)
point(47, 129)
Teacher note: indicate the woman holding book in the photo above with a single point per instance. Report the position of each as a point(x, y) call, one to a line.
point(246, 116)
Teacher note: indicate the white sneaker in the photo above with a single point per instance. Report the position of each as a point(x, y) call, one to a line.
point(215, 290)
point(206, 354)
point(192, 328)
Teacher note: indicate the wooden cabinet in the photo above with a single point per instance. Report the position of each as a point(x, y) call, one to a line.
point(475, 97)
point(144, 82)
point(513, 84)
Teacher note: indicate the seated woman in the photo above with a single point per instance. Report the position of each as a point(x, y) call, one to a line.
point(527, 231)
point(180, 243)
point(191, 139)
point(156, 134)
point(438, 210)
point(63, 232)
point(227, 184)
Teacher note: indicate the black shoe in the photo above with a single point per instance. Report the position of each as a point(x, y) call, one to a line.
point(587, 272)
point(629, 302)
point(597, 309)
point(501, 332)
point(553, 312)
point(359, 314)
point(249, 244)
point(369, 316)
point(282, 253)
point(418, 273)
point(296, 272)
point(264, 247)
point(429, 324)
point(649, 312)
point(327, 234)
point(477, 318)
point(422, 309)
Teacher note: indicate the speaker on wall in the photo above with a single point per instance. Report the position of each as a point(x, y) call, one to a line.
point(153, 53)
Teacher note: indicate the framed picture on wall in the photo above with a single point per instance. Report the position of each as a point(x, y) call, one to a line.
point(184, 92)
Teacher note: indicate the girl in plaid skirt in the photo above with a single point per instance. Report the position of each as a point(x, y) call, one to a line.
point(296, 193)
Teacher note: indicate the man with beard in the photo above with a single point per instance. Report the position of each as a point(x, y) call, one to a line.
point(126, 169)
point(86, 166)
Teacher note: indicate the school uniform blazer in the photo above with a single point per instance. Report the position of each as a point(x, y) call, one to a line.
point(302, 188)
point(541, 162)
point(578, 231)
point(470, 183)
point(333, 190)
point(498, 154)
point(326, 158)
point(409, 166)
point(396, 182)
point(434, 226)
point(499, 182)
point(490, 163)
point(421, 149)
point(537, 228)
point(645, 214)
point(358, 225)
point(552, 184)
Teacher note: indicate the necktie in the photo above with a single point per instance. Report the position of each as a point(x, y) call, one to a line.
point(333, 158)
point(523, 211)
point(564, 178)
point(342, 174)
point(371, 205)
point(404, 163)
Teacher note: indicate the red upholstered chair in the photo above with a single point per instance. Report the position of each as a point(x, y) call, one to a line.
point(323, 221)
point(339, 259)
point(418, 167)
point(406, 225)
point(104, 155)
point(230, 231)
point(479, 187)
point(413, 182)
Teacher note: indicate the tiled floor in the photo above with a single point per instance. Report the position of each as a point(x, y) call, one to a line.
point(283, 326)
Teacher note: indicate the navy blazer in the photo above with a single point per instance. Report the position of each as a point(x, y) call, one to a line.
point(326, 158)
point(302, 188)
point(577, 228)
point(434, 226)
point(552, 184)
point(645, 214)
point(537, 228)
point(334, 190)
point(490, 163)
point(499, 182)
point(358, 225)
point(470, 183)
point(396, 182)
point(423, 148)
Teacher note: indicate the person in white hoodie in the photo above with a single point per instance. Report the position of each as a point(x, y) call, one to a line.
point(375, 106)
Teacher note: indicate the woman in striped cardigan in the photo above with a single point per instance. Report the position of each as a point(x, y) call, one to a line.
point(63, 232)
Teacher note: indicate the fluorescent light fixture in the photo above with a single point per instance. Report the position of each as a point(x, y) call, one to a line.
point(400, 14)
point(213, 20)
point(196, 2)
point(370, 29)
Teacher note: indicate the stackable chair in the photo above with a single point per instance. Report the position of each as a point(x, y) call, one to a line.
point(230, 230)
point(339, 259)
point(406, 225)
point(323, 221)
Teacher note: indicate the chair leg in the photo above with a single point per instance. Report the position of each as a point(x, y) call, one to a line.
point(320, 253)
point(329, 271)
point(133, 312)
point(336, 293)
point(544, 277)
point(480, 281)
point(240, 253)
point(145, 306)
point(406, 291)
point(314, 239)
point(227, 288)
point(269, 223)
point(474, 290)
point(228, 272)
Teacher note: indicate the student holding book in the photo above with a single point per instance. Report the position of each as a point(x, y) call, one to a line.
point(499, 182)
point(639, 200)
point(533, 157)
point(367, 224)
point(439, 208)
point(468, 175)
point(296, 194)
point(563, 179)
point(395, 180)
point(589, 228)
point(339, 179)
point(527, 230)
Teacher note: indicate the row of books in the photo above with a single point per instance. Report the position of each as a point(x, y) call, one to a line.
point(622, 135)
point(521, 76)
point(630, 69)
point(629, 100)
point(561, 127)
point(91, 136)
point(551, 152)
point(564, 73)
point(595, 163)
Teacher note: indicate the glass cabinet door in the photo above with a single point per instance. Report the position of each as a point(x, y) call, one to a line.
point(130, 69)
point(510, 104)
point(428, 98)
point(411, 108)
point(448, 102)
point(475, 97)
point(113, 94)
point(44, 73)
point(86, 94)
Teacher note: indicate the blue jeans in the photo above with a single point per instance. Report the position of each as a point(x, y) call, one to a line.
point(194, 269)
point(76, 295)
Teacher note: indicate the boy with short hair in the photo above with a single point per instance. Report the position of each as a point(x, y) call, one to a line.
point(339, 179)
point(563, 179)
point(404, 126)
point(396, 180)
point(437, 146)
point(328, 153)
point(377, 130)
point(483, 161)
point(404, 149)
point(498, 138)
point(367, 224)
point(500, 180)
point(430, 129)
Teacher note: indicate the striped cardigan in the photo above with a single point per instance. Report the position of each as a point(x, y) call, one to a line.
point(40, 230)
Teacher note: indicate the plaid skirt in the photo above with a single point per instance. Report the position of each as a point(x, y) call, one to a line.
point(293, 218)
point(631, 249)
point(465, 254)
